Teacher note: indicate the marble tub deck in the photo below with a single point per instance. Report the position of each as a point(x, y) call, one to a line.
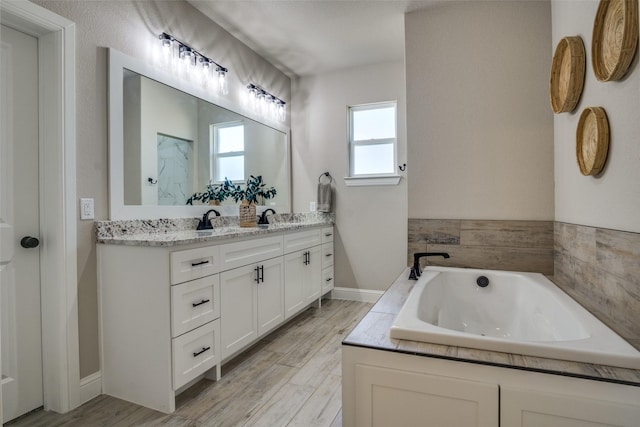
point(373, 332)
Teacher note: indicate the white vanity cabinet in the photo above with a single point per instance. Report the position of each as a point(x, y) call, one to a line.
point(327, 260)
point(171, 315)
point(302, 270)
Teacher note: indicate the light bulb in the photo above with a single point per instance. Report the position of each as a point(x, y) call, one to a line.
point(223, 86)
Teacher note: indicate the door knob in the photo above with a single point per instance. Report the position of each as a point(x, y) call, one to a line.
point(29, 242)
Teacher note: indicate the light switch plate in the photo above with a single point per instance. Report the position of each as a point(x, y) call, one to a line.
point(86, 209)
point(312, 206)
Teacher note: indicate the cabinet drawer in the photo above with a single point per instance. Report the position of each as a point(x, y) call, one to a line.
point(327, 255)
point(327, 279)
point(301, 240)
point(195, 353)
point(194, 263)
point(237, 254)
point(327, 234)
point(194, 303)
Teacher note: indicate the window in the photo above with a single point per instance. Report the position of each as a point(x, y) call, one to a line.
point(372, 140)
point(227, 148)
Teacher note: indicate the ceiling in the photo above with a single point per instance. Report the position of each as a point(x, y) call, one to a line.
point(306, 37)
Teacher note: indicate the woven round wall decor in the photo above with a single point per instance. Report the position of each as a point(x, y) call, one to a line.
point(567, 74)
point(592, 140)
point(615, 38)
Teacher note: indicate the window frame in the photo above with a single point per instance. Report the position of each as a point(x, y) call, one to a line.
point(382, 178)
point(213, 146)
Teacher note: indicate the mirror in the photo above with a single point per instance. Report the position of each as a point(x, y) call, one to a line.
point(168, 141)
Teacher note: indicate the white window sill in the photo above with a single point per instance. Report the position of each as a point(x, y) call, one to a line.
point(361, 181)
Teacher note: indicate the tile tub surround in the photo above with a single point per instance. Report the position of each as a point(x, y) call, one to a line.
point(600, 268)
point(492, 245)
point(179, 231)
point(373, 332)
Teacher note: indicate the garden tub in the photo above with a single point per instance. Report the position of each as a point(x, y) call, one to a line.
point(511, 312)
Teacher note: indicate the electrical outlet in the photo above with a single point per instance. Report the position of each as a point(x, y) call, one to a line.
point(86, 209)
point(312, 206)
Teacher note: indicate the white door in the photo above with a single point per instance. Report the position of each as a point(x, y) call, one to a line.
point(21, 343)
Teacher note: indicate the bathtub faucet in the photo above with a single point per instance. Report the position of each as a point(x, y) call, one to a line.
point(415, 270)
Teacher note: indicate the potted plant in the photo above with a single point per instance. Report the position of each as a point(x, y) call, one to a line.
point(214, 194)
point(254, 189)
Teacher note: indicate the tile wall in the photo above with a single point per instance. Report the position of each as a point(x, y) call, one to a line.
point(497, 245)
point(599, 268)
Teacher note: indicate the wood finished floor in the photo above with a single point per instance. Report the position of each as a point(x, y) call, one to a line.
point(292, 377)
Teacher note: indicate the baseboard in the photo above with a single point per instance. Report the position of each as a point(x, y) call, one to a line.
point(90, 387)
point(352, 294)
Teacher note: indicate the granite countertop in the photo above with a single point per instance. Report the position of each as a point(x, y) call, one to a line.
point(373, 332)
point(182, 231)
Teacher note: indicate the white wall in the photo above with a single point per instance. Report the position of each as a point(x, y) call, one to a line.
point(132, 27)
point(479, 125)
point(371, 222)
point(611, 200)
point(167, 111)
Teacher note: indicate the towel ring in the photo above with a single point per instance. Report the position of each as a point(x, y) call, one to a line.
point(327, 175)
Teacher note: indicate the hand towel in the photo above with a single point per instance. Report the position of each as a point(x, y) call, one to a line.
point(324, 197)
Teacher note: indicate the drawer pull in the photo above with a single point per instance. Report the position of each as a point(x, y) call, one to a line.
point(204, 301)
point(198, 353)
point(195, 264)
point(329, 279)
point(328, 254)
point(328, 234)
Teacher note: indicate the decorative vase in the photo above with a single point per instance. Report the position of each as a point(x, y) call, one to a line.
point(214, 202)
point(247, 214)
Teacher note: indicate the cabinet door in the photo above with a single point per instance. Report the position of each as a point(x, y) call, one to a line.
point(526, 408)
point(194, 353)
point(294, 269)
point(194, 303)
point(327, 279)
point(312, 275)
point(327, 235)
point(192, 264)
point(391, 397)
point(238, 254)
point(270, 295)
point(238, 322)
point(327, 254)
point(301, 240)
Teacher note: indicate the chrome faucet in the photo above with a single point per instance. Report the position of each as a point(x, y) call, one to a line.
point(205, 222)
point(263, 218)
point(415, 270)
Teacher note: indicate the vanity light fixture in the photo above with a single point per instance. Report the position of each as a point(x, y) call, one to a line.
point(266, 103)
point(194, 59)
